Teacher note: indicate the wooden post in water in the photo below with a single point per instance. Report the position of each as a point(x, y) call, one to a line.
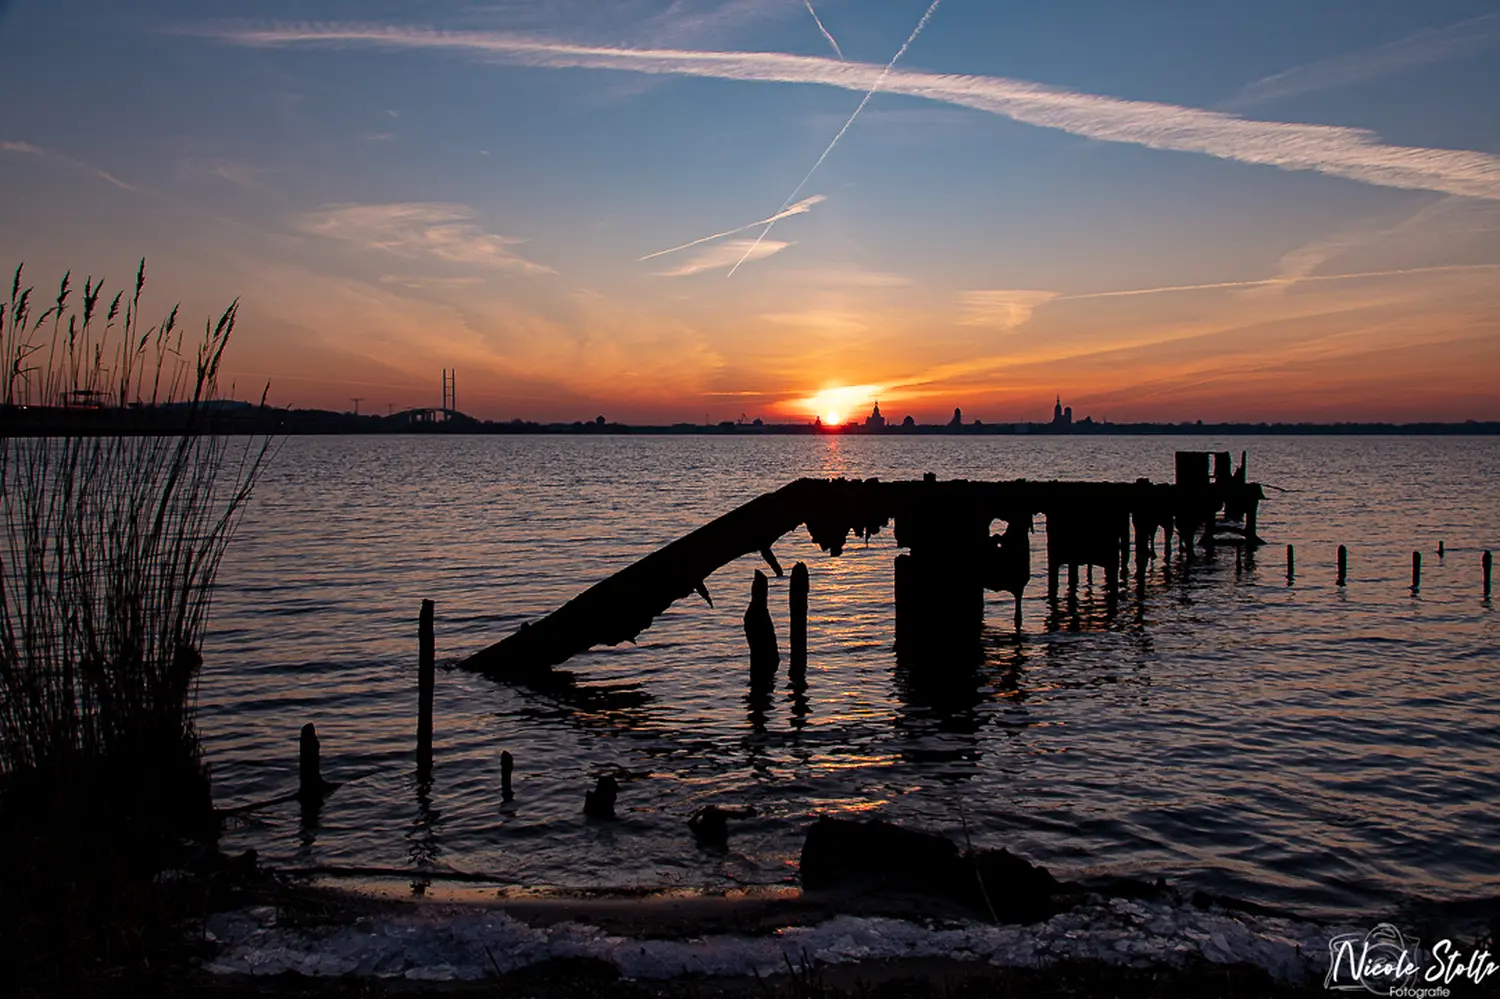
point(797, 600)
point(310, 786)
point(426, 676)
point(1486, 564)
point(507, 765)
point(1291, 564)
point(1343, 564)
point(1416, 571)
point(1440, 549)
point(760, 633)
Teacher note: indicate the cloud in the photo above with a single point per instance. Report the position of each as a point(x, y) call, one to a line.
point(1351, 153)
point(800, 208)
point(834, 321)
point(1282, 279)
point(421, 229)
point(725, 255)
point(20, 147)
point(105, 175)
point(847, 277)
point(233, 171)
point(1423, 48)
point(1003, 310)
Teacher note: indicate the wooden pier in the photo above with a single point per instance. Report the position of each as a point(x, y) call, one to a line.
point(952, 552)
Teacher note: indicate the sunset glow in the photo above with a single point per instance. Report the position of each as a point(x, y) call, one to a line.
point(834, 404)
point(1127, 210)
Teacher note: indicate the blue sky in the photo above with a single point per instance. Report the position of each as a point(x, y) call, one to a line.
point(1162, 211)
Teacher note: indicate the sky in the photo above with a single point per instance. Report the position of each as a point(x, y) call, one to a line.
point(1160, 211)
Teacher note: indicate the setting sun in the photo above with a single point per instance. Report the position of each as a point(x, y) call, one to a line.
point(833, 404)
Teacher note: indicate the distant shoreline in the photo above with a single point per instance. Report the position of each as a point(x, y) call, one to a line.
point(245, 418)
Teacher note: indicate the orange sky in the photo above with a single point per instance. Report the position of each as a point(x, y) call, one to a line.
point(1195, 221)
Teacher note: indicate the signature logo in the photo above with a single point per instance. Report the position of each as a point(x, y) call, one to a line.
point(1379, 961)
point(1387, 963)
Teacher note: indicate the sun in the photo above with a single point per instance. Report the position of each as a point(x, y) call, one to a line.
point(833, 404)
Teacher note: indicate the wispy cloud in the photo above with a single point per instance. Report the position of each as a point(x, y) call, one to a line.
point(730, 253)
point(27, 149)
point(1002, 310)
point(421, 229)
point(847, 276)
point(232, 171)
point(1423, 48)
point(800, 208)
point(110, 178)
point(1355, 154)
point(1283, 279)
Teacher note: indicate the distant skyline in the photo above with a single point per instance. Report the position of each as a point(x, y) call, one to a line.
point(1226, 212)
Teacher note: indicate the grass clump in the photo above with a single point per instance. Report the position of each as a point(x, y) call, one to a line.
point(112, 542)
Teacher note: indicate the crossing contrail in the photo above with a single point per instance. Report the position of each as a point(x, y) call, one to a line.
point(801, 207)
point(819, 22)
point(863, 101)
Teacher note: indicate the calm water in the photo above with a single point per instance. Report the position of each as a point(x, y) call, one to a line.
point(1336, 751)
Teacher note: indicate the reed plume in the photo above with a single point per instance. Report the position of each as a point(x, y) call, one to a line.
point(112, 539)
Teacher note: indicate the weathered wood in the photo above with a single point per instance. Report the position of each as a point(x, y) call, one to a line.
point(797, 594)
point(1291, 564)
point(760, 633)
point(600, 802)
point(1416, 571)
point(310, 784)
point(619, 608)
point(426, 680)
point(1485, 565)
point(1343, 564)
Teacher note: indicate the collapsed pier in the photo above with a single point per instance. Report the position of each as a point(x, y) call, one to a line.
point(953, 554)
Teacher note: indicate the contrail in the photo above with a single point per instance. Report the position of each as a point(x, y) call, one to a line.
point(1335, 151)
point(863, 101)
point(801, 207)
point(819, 22)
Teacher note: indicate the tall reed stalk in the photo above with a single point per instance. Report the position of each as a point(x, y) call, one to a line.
point(111, 542)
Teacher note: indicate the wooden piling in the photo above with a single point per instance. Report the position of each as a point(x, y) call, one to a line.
point(507, 766)
point(797, 599)
point(1343, 564)
point(1291, 564)
point(426, 678)
point(1440, 549)
point(310, 786)
point(760, 633)
point(1486, 564)
point(1416, 571)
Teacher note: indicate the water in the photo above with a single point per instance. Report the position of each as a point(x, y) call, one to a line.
point(1331, 751)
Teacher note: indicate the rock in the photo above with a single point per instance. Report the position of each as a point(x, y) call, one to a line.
point(879, 857)
point(710, 824)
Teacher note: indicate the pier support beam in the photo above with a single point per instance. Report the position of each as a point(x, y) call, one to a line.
point(940, 582)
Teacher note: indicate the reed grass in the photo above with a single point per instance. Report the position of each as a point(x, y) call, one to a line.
point(112, 543)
